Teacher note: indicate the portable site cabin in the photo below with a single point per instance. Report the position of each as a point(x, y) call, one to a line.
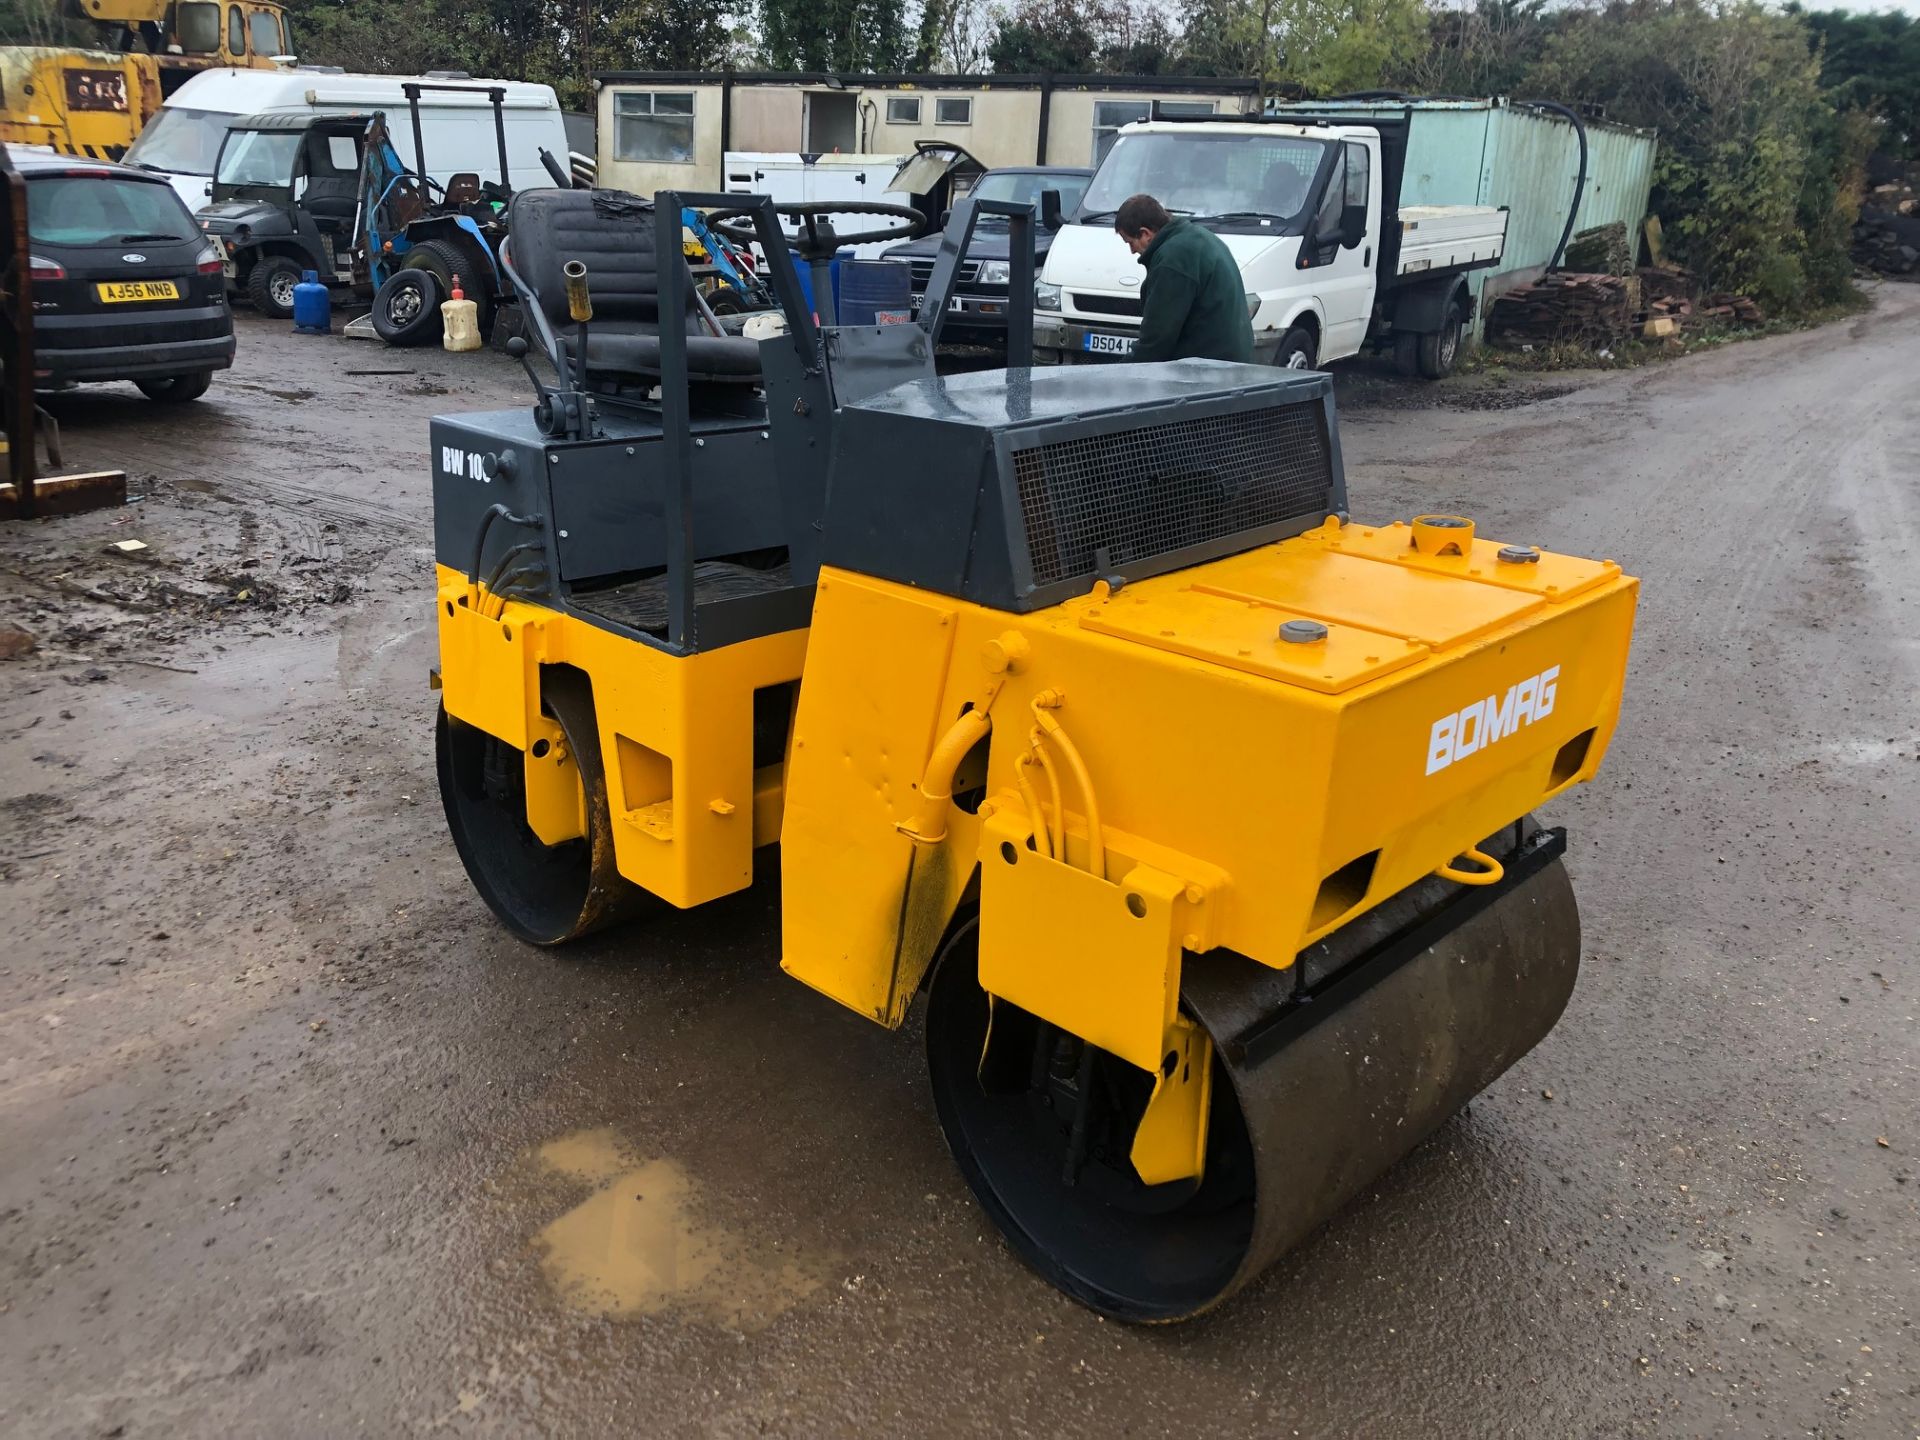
point(1502, 152)
point(671, 129)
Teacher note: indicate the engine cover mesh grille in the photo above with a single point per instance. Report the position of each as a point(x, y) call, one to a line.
point(1140, 493)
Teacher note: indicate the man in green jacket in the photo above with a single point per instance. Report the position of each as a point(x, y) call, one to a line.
point(1194, 302)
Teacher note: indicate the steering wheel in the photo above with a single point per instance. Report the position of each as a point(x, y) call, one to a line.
point(818, 240)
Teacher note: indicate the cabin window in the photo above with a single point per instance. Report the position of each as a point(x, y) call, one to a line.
point(263, 28)
point(236, 31)
point(197, 27)
point(653, 126)
point(903, 109)
point(955, 111)
point(1109, 116)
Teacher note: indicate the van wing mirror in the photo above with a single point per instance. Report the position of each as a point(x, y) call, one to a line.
point(1050, 209)
point(1353, 226)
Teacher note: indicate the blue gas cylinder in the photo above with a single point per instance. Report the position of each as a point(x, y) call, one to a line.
point(312, 306)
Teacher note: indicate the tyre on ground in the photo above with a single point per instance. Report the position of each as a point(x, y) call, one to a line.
point(406, 308)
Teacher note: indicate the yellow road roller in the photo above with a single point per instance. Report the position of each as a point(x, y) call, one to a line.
point(1194, 814)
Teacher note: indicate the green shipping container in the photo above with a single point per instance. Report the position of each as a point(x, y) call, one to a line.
point(1495, 152)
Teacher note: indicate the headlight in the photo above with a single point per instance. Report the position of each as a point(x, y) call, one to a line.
point(993, 272)
point(1253, 306)
point(1045, 296)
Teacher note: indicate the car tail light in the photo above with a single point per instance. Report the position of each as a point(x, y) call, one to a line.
point(210, 263)
point(39, 269)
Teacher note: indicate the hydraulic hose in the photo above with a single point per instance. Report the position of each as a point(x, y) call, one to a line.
point(1058, 839)
point(1580, 181)
point(1044, 704)
point(1022, 763)
point(494, 512)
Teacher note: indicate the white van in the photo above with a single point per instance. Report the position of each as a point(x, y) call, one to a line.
point(1332, 261)
point(456, 126)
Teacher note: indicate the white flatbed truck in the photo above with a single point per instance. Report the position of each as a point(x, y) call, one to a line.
point(1310, 208)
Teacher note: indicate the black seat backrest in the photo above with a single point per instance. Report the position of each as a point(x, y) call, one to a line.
point(609, 231)
point(463, 188)
point(332, 197)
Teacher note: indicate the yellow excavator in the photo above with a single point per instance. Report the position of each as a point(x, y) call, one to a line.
point(1193, 814)
point(104, 67)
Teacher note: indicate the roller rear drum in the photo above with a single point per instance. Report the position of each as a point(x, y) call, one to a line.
point(1417, 1006)
point(547, 894)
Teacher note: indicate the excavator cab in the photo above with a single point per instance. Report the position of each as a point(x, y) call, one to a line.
point(1194, 814)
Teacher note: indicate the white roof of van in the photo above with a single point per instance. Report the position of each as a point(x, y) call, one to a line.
point(246, 92)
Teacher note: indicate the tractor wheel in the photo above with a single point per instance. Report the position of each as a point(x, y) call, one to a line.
point(449, 263)
point(270, 285)
point(546, 894)
point(406, 308)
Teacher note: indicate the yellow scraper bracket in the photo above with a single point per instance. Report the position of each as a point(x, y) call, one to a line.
point(1101, 960)
point(1170, 1142)
point(556, 800)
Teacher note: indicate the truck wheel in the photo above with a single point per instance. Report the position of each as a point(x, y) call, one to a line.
point(1406, 353)
point(448, 262)
point(176, 389)
point(270, 285)
point(1295, 351)
point(1440, 350)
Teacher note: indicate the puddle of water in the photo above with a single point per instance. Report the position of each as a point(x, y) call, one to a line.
point(640, 1244)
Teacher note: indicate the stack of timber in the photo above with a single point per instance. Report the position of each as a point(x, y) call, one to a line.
point(1737, 308)
point(1566, 307)
point(1602, 250)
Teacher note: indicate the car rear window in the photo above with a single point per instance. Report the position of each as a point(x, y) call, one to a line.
point(104, 210)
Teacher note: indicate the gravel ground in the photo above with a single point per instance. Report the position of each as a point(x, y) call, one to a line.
point(299, 1143)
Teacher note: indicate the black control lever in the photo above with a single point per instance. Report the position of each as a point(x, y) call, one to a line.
point(518, 348)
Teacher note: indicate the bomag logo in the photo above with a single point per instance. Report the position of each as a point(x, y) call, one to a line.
point(1489, 721)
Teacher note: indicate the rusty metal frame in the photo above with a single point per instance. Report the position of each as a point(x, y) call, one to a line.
point(16, 335)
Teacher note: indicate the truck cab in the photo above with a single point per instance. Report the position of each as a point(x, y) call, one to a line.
point(94, 99)
point(1331, 262)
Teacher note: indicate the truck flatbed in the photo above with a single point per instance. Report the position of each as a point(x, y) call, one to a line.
point(1443, 237)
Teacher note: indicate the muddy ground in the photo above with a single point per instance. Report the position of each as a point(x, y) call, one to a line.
point(297, 1142)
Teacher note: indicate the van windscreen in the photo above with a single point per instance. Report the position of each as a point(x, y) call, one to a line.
point(183, 141)
point(1204, 174)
